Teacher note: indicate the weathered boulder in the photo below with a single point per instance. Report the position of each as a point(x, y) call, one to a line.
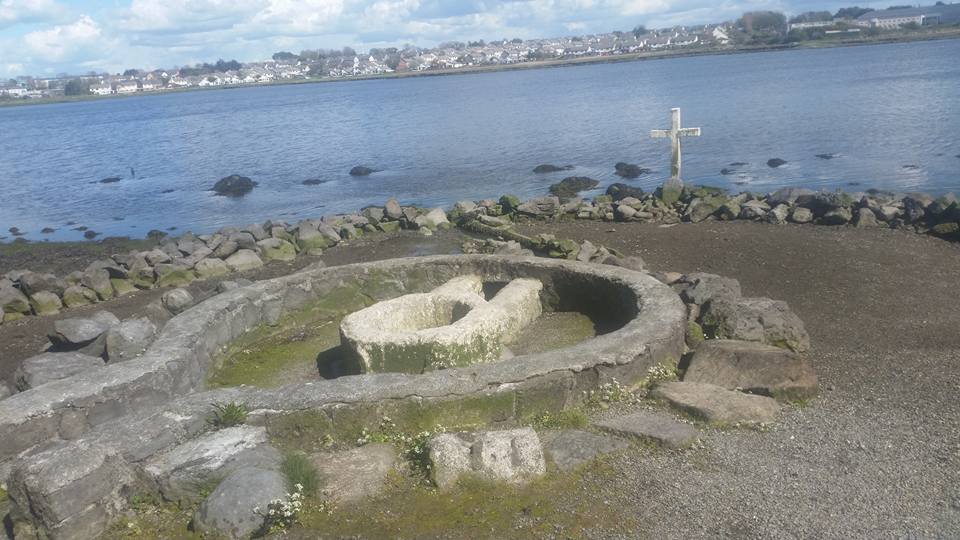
point(78, 295)
point(72, 491)
point(392, 210)
point(129, 339)
point(208, 458)
point(622, 191)
point(801, 215)
point(355, 474)
point(755, 319)
point(718, 405)
point(177, 300)
point(83, 335)
point(33, 282)
point(570, 448)
point(275, 249)
point(754, 209)
point(778, 214)
point(823, 202)
point(787, 195)
point(234, 186)
point(543, 206)
point(700, 209)
point(47, 367)
point(865, 217)
point(156, 256)
point(230, 509)
point(243, 260)
point(837, 216)
point(729, 210)
point(98, 280)
point(700, 287)
point(173, 275)
point(652, 426)
point(45, 303)
point(753, 367)
point(434, 219)
point(13, 303)
point(210, 268)
point(513, 456)
point(226, 248)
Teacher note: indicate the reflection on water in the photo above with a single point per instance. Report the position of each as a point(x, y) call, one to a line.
point(440, 139)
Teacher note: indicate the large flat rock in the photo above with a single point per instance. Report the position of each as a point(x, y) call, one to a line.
point(47, 367)
point(356, 473)
point(717, 404)
point(570, 448)
point(753, 367)
point(652, 426)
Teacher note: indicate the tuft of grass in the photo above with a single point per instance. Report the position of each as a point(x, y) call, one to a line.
point(298, 470)
point(568, 419)
point(228, 415)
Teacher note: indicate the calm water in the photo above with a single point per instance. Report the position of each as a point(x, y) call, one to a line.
point(440, 139)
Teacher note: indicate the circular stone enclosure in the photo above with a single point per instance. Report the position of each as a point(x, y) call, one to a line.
point(640, 321)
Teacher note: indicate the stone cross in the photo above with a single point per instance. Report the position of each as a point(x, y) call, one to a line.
point(674, 134)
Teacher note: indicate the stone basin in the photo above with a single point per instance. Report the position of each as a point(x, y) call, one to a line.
point(451, 326)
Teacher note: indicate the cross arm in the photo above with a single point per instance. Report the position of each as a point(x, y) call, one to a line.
point(660, 133)
point(689, 132)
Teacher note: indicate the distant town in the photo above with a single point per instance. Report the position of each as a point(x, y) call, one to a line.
point(753, 29)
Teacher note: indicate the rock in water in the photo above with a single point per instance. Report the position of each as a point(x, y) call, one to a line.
point(776, 162)
point(360, 170)
point(622, 191)
point(629, 170)
point(827, 156)
point(547, 168)
point(568, 188)
point(234, 186)
point(110, 180)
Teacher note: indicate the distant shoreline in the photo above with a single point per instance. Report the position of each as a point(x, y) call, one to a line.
point(951, 33)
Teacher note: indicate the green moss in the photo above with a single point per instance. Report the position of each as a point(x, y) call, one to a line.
point(694, 335)
point(553, 331)
point(154, 521)
point(569, 419)
point(270, 356)
point(176, 278)
point(476, 509)
point(509, 203)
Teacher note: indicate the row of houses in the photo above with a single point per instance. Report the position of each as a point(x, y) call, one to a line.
point(893, 19)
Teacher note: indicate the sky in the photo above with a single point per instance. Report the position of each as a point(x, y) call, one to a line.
point(48, 37)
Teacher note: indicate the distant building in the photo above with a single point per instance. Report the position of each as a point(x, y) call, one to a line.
point(889, 19)
point(101, 89)
point(810, 24)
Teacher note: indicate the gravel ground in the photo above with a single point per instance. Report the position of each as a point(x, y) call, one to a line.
point(876, 455)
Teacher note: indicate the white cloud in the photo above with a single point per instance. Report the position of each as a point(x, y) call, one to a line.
point(60, 42)
point(26, 11)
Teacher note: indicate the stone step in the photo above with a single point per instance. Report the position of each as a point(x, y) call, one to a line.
point(715, 404)
point(652, 426)
point(570, 448)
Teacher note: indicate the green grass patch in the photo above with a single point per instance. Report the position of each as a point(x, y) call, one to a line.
point(557, 505)
point(228, 415)
point(568, 419)
point(298, 470)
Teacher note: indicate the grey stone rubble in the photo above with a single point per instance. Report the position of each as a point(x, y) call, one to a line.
point(145, 411)
point(231, 509)
point(177, 262)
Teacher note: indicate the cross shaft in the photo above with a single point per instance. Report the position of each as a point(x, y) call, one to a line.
point(675, 133)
